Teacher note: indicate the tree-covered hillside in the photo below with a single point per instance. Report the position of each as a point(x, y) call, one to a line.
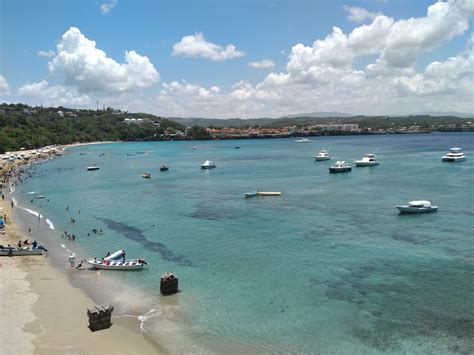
point(33, 127)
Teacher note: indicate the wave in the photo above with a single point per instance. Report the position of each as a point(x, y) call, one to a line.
point(50, 224)
point(37, 214)
point(152, 313)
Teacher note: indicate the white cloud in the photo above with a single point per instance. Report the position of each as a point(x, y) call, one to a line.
point(49, 53)
point(4, 86)
point(324, 75)
point(89, 69)
point(107, 7)
point(57, 95)
point(197, 46)
point(358, 14)
point(263, 64)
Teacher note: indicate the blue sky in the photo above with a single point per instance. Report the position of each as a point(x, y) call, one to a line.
point(259, 30)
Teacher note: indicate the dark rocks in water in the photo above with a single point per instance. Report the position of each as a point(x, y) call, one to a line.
point(136, 234)
point(100, 317)
point(168, 284)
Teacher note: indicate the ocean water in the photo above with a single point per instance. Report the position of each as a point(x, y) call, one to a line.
point(328, 267)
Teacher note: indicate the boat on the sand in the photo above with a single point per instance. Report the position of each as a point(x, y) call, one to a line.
point(20, 251)
point(116, 262)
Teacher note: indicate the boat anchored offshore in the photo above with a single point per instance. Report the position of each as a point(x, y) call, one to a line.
point(322, 155)
point(455, 154)
point(340, 167)
point(262, 193)
point(164, 167)
point(208, 165)
point(92, 168)
point(417, 207)
point(303, 140)
point(367, 160)
point(114, 262)
point(146, 175)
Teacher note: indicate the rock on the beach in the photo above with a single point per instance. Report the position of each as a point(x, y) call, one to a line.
point(168, 283)
point(100, 317)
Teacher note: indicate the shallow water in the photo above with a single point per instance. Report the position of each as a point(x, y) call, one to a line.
point(328, 267)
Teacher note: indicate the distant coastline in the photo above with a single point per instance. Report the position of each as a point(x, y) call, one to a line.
point(26, 127)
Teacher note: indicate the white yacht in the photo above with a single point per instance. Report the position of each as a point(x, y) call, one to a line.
point(455, 154)
point(367, 160)
point(208, 165)
point(303, 140)
point(417, 207)
point(322, 155)
point(340, 167)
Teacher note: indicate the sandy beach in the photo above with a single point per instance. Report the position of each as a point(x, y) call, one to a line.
point(42, 313)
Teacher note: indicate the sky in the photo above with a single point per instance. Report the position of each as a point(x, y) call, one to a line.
point(247, 59)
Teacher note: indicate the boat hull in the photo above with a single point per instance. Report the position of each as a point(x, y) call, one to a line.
point(20, 252)
point(269, 193)
point(453, 160)
point(408, 209)
point(117, 265)
point(340, 170)
point(321, 158)
point(208, 166)
point(366, 163)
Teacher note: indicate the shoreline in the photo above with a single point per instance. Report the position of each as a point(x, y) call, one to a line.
point(45, 313)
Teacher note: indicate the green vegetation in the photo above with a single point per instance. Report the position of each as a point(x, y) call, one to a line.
point(33, 127)
point(198, 133)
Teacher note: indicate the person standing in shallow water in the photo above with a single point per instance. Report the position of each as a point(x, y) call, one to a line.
point(72, 260)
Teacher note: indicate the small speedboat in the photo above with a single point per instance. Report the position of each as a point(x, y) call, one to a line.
point(455, 154)
point(367, 160)
point(40, 197)
point(208, 165)
point(164, 167)
point(115, 262)
point(237, 147)
point(147, 175)
point(20, 251)
point(417, 207)
point(303, 140)
point(340, 167)
point(322, 155)
point(103, 264)
point(92, 168)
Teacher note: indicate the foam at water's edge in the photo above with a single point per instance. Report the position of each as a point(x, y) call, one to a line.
point(50, 224)
point(37, 214)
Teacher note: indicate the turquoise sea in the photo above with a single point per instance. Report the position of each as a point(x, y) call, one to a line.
point(329, 267)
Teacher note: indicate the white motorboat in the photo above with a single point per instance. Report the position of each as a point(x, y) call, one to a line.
point(115, 262)
point(208, 165)
point(455, 154)
point(103, 264)
point(340, 167)
point(367, 160)
point(92, 168)
point(417, 207)
point(5, 251)
point(303, 140)
point(322, 155)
